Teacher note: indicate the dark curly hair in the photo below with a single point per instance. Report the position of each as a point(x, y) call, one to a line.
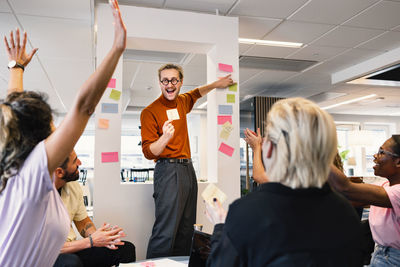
point(25, 120)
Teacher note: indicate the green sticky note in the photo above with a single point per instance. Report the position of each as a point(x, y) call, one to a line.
point(233, 87)
point(230, 98)
point(115, 94)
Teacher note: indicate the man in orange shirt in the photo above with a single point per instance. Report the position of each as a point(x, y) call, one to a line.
point(165, 139)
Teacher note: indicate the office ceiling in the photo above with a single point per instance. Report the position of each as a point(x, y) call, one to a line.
point(337, 34)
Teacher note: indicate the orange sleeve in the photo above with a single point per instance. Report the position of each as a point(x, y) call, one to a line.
point(149, 131)
point(190, 99)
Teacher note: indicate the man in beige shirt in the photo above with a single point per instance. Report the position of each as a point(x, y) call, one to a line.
point(99, 247)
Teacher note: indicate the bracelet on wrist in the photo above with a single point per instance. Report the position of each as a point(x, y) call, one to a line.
point(91, 240)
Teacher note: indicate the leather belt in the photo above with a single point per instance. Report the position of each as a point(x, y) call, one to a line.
point(172, 160)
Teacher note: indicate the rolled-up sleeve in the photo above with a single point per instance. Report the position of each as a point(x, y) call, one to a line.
point(149, 132)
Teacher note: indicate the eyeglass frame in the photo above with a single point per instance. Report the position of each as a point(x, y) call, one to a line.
point(170, 81)
point(382, 151)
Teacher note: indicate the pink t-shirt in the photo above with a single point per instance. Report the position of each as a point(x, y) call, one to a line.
point(385, 222)
point(33, 220)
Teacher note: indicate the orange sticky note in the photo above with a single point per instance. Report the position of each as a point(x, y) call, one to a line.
point(103, 123)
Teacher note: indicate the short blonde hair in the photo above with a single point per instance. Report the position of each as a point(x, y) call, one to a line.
point(305, 142)
point(171, 66)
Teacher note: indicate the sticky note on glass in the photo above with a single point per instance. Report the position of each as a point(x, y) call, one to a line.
point(115, 94)
point(172, 114)
point(109, 108)
point(225, 67)
point(230, 98)
point(225, 109)
point(112, 83)
point(211, 192)
point(109, 157)
point(233, 87)
point(227, 150)
point(103, 123)
point(223, 119)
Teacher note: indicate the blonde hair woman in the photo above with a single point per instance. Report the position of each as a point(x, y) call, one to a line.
point(295, 219)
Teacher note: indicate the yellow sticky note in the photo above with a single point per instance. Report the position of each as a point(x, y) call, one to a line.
point(103, 123)
point(227, 126)
point(115, 94)
point(225, 134)
point(211, 192)
point(230, 98)
point(233, 87)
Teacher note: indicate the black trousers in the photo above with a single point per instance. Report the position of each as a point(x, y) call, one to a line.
point(175, 197)
point(98, 257)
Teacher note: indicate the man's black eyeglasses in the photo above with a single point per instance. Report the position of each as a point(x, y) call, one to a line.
point(173, 81)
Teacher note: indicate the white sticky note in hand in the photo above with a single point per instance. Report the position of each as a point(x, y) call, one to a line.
point(211, 192)
point(172, 114)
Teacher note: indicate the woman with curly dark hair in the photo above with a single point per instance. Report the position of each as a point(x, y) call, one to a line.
point(34, 222)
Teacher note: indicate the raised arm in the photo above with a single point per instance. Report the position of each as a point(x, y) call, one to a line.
point(255, 142)
point(368, 194)
point(61, 142)
point(16, 52)
point(221, 83)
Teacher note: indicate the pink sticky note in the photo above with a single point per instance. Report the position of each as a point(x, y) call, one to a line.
point(103, 123)
point(223, 119)
point(112, 83)
point(227, 150)
point(225, 67)
point(109, 157)
point(148, 264)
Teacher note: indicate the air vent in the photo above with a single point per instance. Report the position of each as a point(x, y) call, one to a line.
point(271, 63)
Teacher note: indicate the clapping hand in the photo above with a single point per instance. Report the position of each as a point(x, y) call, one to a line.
point(253, 139)
point(16, 50)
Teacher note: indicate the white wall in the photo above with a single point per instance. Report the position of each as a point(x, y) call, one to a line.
point(131, 205)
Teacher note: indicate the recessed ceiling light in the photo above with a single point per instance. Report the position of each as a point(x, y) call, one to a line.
point(270, 43)
point(349, 101)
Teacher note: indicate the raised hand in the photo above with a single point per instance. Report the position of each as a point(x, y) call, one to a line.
point(119, 27)
point(16, 51)
point(253, 139)
point(215, 212)
point(224, 82)
point(168, 130)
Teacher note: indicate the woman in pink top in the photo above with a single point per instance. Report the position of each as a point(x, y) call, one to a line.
point(33, 220)
point(384, 216)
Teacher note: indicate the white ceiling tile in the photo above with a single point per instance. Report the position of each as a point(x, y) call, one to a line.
point(59, 38)
point(67, 85)
point(384, 15)
point(317, 53)
point(7, 23)
point(349, 58)
point(243, 48)
point(256, 28)
point(385, 42)
point(270, 51)
point(396, 28)
point(72, 9)
point(265, 79)
point(246, 74)
point(331, 12)
point(300, 32)
point(143, 3)
point(345, 36)
point(200, 5)
point(4, 7)
point(267, 9)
